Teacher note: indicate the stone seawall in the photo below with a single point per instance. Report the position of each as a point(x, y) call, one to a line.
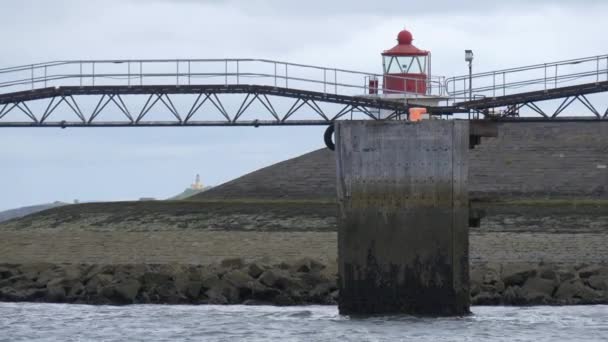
point(195, 247)
point(542, 159)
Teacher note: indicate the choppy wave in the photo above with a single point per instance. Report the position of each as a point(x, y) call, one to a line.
point(59, 322)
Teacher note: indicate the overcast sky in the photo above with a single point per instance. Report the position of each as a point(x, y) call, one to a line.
point(44, 165)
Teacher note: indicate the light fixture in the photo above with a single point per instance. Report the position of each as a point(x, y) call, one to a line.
point(468, 55)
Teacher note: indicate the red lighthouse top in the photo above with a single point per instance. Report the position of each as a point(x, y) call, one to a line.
point(404, 46)
point(406, 67)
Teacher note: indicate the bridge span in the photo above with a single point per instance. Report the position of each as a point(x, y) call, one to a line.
point(257, 92)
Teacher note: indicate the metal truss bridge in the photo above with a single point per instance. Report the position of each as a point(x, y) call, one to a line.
point(256, 92)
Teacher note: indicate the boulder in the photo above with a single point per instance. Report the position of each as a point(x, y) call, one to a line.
point(598, 282)
point(47, 275)
point(513, 295)
point(258, 291)
point(548, 273)
point(7, 272)
point(320, 292)
point(26, 295)
point(66, 283)
point(56, 292)
point(215, 296)
point(565, 274)
point(283, 299)
point(71, 272)
point(281, 279)
point(255, 302)
point(495, 287)
point(223, 293)
point(34, 269)
point(98, 281)
point(232, 263)
point(517, 274)
point(538, 286)
point(254, 270)
point(77, 291)
point(237, 278)
point(589, 271)
point(312, 279)
point(486, 275)
point(574, 291)
point(156, 279)
point(193, 289)
point(14, 279)
point(334, 296)
point(307, 265)
point(135, 271)
point(474, 289)
point(485, 298)
point(210, 281)
point(271, 276)
point(127, 290)
point(181, 282)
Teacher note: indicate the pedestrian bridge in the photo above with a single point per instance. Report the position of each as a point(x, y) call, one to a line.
point(258, 92)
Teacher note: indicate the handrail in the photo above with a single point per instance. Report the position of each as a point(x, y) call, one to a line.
point(302, 76)
point(91, 71)
point(547, 75)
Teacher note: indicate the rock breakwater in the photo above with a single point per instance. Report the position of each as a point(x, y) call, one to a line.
point(305, 281)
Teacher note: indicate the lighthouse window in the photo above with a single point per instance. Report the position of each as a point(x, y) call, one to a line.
point(404, 64)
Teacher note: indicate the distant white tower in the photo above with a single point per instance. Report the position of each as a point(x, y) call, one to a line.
point(197, 183)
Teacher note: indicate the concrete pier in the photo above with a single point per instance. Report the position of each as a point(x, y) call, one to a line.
point(403, 222)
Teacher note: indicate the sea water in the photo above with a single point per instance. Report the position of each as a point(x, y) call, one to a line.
point(64, 322)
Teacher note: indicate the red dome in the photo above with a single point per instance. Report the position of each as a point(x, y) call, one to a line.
point(405, 37)
point(404, 46)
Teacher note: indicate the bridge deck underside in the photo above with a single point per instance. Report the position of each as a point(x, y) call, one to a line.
point(534, 96)
point(50, 92)
point(369, 105)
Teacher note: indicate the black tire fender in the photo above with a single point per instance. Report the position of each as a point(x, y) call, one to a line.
point(327, 137)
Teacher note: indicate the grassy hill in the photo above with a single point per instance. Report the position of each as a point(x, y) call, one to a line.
point(24, 211)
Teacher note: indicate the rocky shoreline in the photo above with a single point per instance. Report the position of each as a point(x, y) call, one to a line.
point(306, 281)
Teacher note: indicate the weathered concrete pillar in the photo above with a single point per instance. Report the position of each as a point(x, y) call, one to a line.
point(403, 223)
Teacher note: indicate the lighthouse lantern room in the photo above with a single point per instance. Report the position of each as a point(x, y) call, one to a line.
point(406, 68)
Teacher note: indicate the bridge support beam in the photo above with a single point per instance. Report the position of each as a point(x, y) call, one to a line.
point(403, 221)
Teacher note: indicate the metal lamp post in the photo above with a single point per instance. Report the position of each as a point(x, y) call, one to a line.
point(468, 57)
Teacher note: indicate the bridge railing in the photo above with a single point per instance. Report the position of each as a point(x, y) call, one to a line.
point(179, 72)
point(538, 77)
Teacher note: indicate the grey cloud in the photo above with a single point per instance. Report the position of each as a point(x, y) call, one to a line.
point(385, 8)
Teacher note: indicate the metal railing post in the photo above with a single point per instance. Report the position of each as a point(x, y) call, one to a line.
point(275, 74)
point(324, 80)
point(129, 73)
point(81, 73)
point(177, 73)
point(545, 76)
point(45, 75)
point(504, 87)
point(597, 77)
point(189, 73)
point(237, 72)
point(555, 86)
point(464, 88)
point(494, 84)
point(226, 72)
point(32, 76)
point(336, 80)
